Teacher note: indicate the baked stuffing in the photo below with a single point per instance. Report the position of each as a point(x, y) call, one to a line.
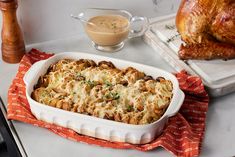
point(104, 91)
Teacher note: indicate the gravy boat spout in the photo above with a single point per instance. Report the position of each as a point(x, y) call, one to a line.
point(81, 18)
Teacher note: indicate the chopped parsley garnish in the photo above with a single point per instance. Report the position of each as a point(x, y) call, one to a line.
point(113, 25)
point(60, 97)
point(107, 83)
point(91, 83)
point(78, 74)
point(129, 108)
point(115, 96)
point(112, 96)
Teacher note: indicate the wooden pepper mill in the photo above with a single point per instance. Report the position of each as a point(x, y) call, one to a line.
point(13, 47)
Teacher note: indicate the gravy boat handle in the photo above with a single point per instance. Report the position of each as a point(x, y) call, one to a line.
point(144, 26)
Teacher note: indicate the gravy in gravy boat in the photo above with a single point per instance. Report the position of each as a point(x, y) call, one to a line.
point(108, 30)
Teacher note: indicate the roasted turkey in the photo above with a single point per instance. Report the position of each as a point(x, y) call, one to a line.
point(208, 29)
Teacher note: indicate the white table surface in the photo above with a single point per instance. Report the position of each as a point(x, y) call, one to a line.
point(220, 129)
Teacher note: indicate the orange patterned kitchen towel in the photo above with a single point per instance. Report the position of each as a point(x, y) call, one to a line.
point(182, 136)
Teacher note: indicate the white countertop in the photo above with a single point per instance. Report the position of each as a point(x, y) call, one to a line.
point(219, 138)
point(48, 20)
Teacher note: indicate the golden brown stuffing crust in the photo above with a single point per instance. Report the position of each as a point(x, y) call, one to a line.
point(104, 91)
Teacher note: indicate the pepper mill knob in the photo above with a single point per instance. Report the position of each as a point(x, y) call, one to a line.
point(13, 47)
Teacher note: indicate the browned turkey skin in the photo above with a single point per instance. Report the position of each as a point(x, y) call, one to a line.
point(208, 29)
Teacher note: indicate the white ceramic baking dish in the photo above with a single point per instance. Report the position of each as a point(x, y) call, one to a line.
point(97, 127)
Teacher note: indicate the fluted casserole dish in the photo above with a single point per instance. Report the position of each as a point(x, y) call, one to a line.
point(103, 97)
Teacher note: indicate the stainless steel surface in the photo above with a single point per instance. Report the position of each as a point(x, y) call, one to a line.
point(12, 129)
point(1, 139)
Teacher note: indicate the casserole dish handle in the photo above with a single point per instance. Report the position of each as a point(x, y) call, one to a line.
point(173, 109)
point(31, 73)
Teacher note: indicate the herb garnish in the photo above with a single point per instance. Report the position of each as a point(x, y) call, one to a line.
point(107, 83)
point(129, 108)
point(112, 96)
point(91, 83)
